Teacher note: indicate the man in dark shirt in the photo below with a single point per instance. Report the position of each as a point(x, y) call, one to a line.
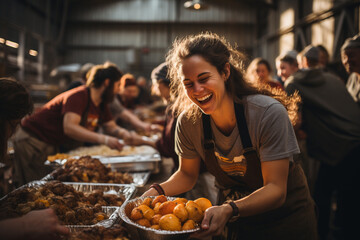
point(330, 120)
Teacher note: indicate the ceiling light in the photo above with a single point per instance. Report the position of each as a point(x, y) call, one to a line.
point(33, 52)
point(11, 44)
point(195, 5)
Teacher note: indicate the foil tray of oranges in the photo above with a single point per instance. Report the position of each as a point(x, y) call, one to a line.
point(163, 217)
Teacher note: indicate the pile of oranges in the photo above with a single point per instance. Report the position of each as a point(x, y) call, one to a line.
point(176, 215)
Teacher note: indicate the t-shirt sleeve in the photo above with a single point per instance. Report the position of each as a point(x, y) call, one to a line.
point(277, 137)
point(184, 146)
point(75, 103)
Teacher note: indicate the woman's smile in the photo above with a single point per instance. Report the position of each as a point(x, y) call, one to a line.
point(204, 85)
point(205, 99)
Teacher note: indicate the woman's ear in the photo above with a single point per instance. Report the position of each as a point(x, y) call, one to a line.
point(227, 71)
point(106, 82)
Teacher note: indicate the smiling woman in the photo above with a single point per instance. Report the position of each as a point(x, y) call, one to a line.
point(244, 136)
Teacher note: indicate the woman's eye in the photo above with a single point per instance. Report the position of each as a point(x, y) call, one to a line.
point(187, 85)
point(203, 80)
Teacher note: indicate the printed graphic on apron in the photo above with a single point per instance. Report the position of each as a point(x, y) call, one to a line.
point(233, 167)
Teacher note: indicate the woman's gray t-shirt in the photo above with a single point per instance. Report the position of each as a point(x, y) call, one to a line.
point(270, 131)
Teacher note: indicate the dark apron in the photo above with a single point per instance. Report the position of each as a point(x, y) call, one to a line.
point(72, 143)
point(295, 219)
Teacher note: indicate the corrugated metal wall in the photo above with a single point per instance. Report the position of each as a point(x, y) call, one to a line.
point(137, 34)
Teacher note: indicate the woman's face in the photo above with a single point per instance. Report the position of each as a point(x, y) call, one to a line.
point(262, 72)
point(203, 84)
point(131, 92)
point(286, 69)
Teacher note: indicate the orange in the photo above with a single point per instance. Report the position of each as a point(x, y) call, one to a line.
point(188, 225)
point(170, 222)
point(147, 201)
point(155, 219)
point(146, 211)
point(143, 222)
point(160, 198)
point(136, 214)
point(181, 200)
point(156, 207)
point(155, 226)
point(194, 210)
point(204, 203)
point(167, 207)
point(181, 212)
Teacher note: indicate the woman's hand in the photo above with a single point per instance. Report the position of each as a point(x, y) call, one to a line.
point(215, 219)
point(150, 192)
point(42, 224)
point(113, 143)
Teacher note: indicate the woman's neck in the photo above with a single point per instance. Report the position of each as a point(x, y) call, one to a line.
point(225, 119)
point(96, 95)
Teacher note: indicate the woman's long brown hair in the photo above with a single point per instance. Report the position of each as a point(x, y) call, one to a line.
point(217, 51)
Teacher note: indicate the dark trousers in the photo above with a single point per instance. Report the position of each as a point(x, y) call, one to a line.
point(340, 185)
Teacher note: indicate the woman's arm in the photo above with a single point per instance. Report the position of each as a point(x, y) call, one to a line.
point(131, 118)
point(182, 180)
point(272, 195)
point(73, 129)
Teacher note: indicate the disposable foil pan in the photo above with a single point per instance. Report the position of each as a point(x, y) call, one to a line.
point(139, 178)
point(130, 163)
point(144, 233)
point(122, 190)
point(112, 212)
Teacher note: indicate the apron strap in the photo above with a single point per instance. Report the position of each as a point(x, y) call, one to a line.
point(253, 176)
point(211, 161)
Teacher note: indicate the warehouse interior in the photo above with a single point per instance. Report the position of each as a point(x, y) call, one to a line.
point(40, 39)
point(54, 49)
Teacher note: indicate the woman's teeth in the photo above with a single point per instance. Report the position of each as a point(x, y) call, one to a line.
point(204, 98)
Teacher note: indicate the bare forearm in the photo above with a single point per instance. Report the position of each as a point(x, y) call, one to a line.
point(178, 183)
point(133, 119)
point(264, 199)
point(80, 133)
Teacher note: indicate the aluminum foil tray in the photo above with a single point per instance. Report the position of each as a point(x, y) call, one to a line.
point(144, 233)
point(131, 163)
point(125, 190)
point(139, 178)
point(112, 212)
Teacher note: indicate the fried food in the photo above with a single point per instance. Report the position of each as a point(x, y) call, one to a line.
point(117, 232)
point(88, 169)
point(72, 207)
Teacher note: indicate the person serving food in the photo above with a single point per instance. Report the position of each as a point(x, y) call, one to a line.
point(245, 136)
point(69, 120)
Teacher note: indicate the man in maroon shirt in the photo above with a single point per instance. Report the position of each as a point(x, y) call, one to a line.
point(70, 118)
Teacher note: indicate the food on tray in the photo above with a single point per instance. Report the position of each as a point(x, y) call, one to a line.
point(88, 169)
point(116, 232)
point(71, 206)
point(176, 215)
point(103, 150)
point(52, 158)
